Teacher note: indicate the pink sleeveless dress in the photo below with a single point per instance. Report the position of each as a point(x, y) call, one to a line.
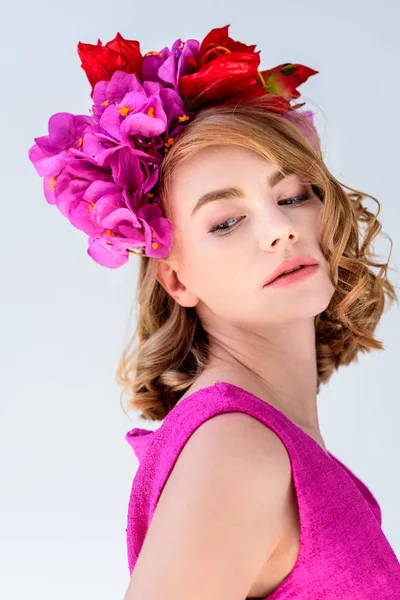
point(344, 554)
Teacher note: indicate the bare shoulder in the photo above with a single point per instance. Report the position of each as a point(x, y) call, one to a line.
point(220, 515)
point(235, 439)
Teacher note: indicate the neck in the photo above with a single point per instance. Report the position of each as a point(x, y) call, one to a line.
point(280, 365)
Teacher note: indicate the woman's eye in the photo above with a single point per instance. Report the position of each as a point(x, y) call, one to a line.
point(295, 202)
point(224, 226)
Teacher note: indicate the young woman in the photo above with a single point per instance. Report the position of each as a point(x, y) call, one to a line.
point(265, 288)
point(236, 495)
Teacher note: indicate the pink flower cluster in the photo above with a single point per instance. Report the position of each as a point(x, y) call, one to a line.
point(99, 170)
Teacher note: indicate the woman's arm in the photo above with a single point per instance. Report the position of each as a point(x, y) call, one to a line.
point(220, 514)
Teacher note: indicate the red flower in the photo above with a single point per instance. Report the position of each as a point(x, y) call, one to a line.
point(225, 68)
point(100, 62)
point(217, 42)
point(227, 72)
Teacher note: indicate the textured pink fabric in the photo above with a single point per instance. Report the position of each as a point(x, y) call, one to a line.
point(344, 554)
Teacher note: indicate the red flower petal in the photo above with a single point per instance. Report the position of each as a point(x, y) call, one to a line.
point(217, 41)
point(216, 80)
point(284, 79)
point(100, 62)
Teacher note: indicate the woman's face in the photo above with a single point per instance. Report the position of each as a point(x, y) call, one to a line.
point(223, 273)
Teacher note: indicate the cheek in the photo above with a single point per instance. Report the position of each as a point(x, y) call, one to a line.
point(218, 278)
point(315, 223)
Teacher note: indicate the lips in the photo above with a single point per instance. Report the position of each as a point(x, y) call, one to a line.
point(289, 264)
point(294, 277)
point(288, 272)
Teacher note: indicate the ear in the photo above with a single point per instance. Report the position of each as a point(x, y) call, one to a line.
point(168, 277)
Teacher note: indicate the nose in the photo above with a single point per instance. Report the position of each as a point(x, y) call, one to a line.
point(282, 235)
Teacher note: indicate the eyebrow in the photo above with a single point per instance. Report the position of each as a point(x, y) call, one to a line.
point(233, 192)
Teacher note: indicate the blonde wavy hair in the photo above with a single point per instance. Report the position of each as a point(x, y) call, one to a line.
point(172, 347)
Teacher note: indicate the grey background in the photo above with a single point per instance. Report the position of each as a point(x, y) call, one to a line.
point(66, 469)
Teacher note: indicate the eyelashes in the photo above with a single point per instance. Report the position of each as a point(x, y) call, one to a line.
point(295, 202)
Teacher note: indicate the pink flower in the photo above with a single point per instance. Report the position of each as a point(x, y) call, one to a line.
point(99, 170)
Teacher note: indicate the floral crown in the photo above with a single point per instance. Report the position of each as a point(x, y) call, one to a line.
point(101, 170)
